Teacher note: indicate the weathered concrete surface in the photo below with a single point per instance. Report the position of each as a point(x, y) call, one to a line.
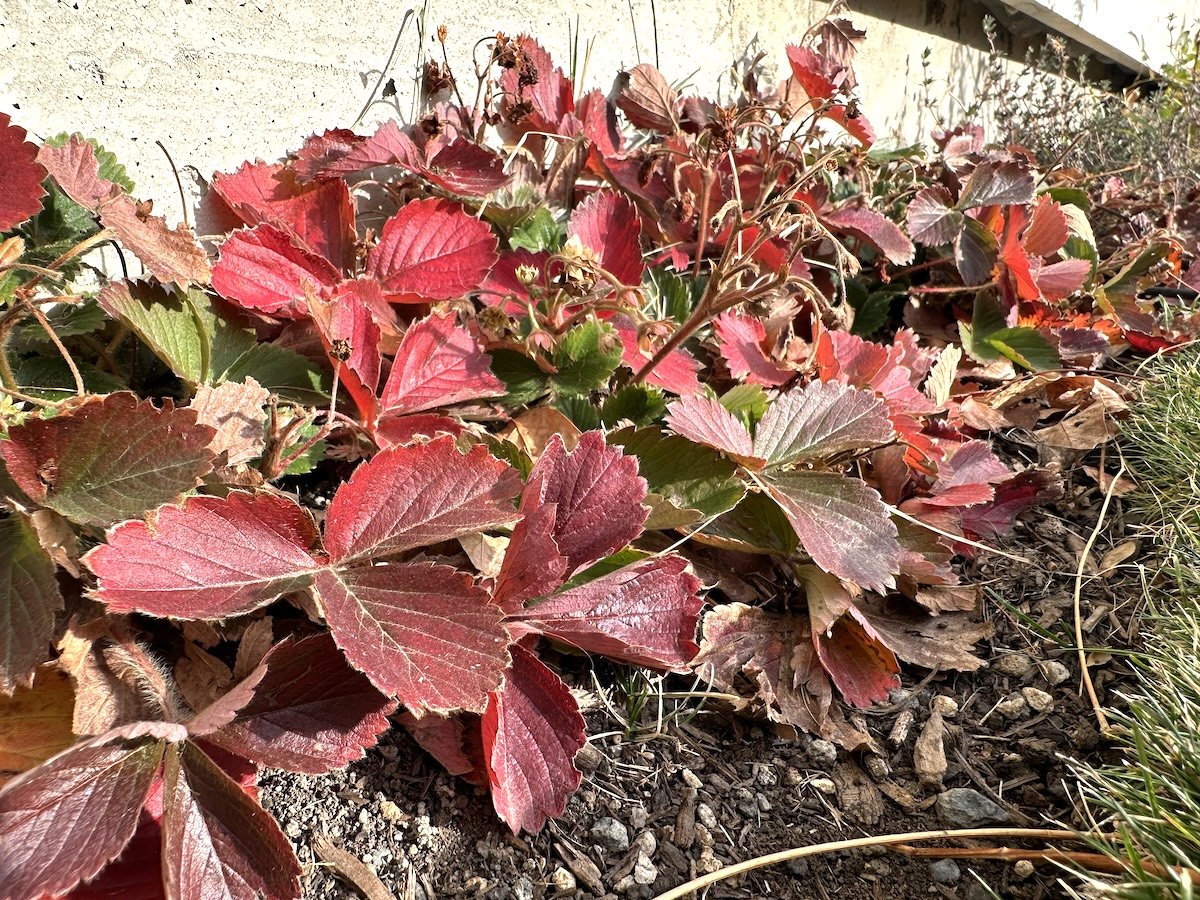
point(220, 81)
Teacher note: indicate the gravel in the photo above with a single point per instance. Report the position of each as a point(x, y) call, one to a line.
point(944, 871)
point(967, 808)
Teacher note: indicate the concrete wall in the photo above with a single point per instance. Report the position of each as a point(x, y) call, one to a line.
point(219, 81)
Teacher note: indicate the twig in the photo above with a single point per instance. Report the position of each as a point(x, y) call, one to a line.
point(178, 183)
point(1086, 676)
point(80, 390)
point(350, 868)
point(879, 840)
point(1096, 862)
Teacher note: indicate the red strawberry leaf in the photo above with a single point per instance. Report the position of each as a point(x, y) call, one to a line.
point(856, 124)
point(647, 100)
point(1047, 231)
point(351, 339)
point(808, 68)
point(455, 741)
point(643, 614)
point(704, 420)
point(209, 559)
point(432, 250)
point(874, 228)
point(169, 254)
point(598, 496)
point(136, 874)
point(998, 183)
point(931, 217)
point(466, 168)
point(677, 371)
point(438, 363)
point(318, 215)
point(1059, 280)
point(29, 601)
point(532, 730)
point(608, 224)
point(109, 458)
point(740, 342)
point(424, 633)
point(776, 654)
point(418, 495)
point(532, 565)
point(261, 269)
point(76, 170)
point(310, 713)
point(536, 80)
point(217, 842)
point(62, 822)
point(842, 524)
point(859, 663)
point(821, 420)
point(21, 176)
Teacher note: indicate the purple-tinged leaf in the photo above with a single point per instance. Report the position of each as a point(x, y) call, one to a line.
point(218, 844)
point(821, 420)
point(647, 99)
point(598, 494)
point(532, 730)
point(109, 458)
point(704, 420)
point(426, 634)
point(417, 495)
point(975, 249)
point(842, 524)
point(62, 822)
point(643, 614)
point(310, 713)
point(209, 559)
point(29, 601)
point(931, 217)
point(874, 228)
point(998, 183)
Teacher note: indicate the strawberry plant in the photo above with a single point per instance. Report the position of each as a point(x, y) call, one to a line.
point(432, 410)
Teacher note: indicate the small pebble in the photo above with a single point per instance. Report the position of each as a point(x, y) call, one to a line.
point(1012, 707)
point(390, 811)
point(691, 779)
point(798, 867)
point(1022, 869)
point(944, 871)
point(522, 889)
point(824, 786)
point(967, 808)
point(637, 817)
point(644, 871)
point(1039, 701)
point(1055, 672)
point(293, 829)
point(947, 707)
point(708, 862)
point(822, 754)
point(610, 834)
point(764, 805)
point(877, 867)
point(707, 817)
point(1014, 665)
point(646, 843)
point(562, 881)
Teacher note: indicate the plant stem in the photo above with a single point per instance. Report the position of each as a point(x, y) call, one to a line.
point(879, 840)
